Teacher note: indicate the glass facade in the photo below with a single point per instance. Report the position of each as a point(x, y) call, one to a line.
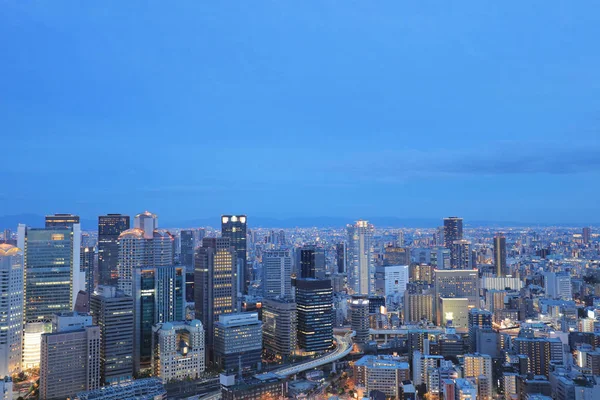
point(314, 299)
point(109, 228)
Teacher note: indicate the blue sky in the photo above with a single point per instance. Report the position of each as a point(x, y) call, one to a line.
point(488, 110)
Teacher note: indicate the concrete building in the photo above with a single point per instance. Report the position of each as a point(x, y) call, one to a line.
point(478, 319)
point(382, 373)
point(277, 273)
point(178, 350)
point(465, 390)
point(477, 366)
point(359, 319)
point(314, 300)
point(455, 312)
point(456, 283)
point(540, 353)
point(112, 312)
point(359, 262)
point(11, 309)
point(280, 321)
point(418, 306)
point(70, 357)
point(238, 342)
point(391, 281)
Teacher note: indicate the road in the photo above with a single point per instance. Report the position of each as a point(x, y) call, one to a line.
point(342, 349)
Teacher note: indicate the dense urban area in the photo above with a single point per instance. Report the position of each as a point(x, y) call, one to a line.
point(128, 310)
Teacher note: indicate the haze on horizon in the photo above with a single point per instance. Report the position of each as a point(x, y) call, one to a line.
point(277, 109)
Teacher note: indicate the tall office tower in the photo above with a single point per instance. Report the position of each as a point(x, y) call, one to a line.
point(478, 320)
point(360, 257)
point(558, 285)
point(314, 299)
point(187, 248)
point(586, 234)
point(140, 248)
point(359, 319)
point(178, 350)
point(396, 256)
point(110, 226)
point(456, 283)
point(421, 273)
point(453, 230)
point(391, 281)
point(70, 357)
point(494, 299)
point(214, 283)
point(277, 272)
point(86, 265)
point(238, 342)
point(460, 255)
point(340, 252)
point(500, 255)
point(280, 323)
point(11, 309)
point(61, 221)
point(158, 296)
point(438, 257)
point(112, 312)
point(417, 307)
point(477, 365)
point(540, 352)
point(312, 262)
point(234, 227)
point(52, 280)
point(147, 222)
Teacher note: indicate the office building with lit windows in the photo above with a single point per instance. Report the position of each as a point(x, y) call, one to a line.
point(11, 309)
point(279, 317)
point(456, 283)
point(61, 221)
point(110, 226)
point(234, 227)
point(314, 299)
point(238, 342)
point(277, 273)
point(500, 255)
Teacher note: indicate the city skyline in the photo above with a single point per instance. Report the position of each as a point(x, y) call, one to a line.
point(479, 102)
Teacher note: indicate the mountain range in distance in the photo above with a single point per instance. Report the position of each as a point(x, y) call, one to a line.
point(36, 221)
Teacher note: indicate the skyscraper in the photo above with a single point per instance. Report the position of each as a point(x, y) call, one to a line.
point(314, 299)
point(461, 256)
point(112, 312)
point(187, 248)
point(340, 251)
point(391, 281)
point(11, 309)
point(158, 296)
point(52, 280)
point(238, 341)
point(70, 357)
point(453, 230)
point(586, 234)
point(456, 284)
point(86, 265)
point(214, 283)
point(500, 255)
point(61, 221)
point(147, 222)
point(280, 322)
point(110, 226)
point(277, 271)
point(234, 227)
point(359, 319)
point(361, 273)
point(312, 262)
point(478, 320)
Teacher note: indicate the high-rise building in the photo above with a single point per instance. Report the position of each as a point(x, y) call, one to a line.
point(234, 227)
point(453, 230)
point(500, 255)
point(61, 221)
point(465, 390)
point(110, 226)
point(456, 283)
point(86, 266)
point(391, 281)
point(477, 366)
point(359, 319)
point(418, 306)
point(586, 234)
point(478, 320)
point(214, 283)
point(52, 280)
point(540, 352)
point(312, 262)
point(11, 309)
point(112, 312)
point(279, 317)
point(381, 373)
point(142, 247)
point(178, 350)
point(558, 285)
point(70, 357)
point(158, 296)
point(340, 252)
point(454, 312)
point(461, 256)
point(238, 342)
point(277, 272)
point(438, 257)
point(359, 260)
point(394, 255)
point(314, 299)
point(187, 248)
